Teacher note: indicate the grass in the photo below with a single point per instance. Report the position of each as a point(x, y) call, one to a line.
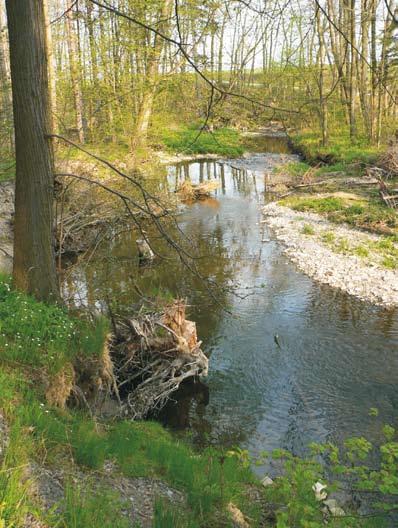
point(383, 251)
point(43, 336)
point(365, 213)
point(295, 169)
point(37, 339)
point(308, 230)
point(189, 140)
point(341, 149)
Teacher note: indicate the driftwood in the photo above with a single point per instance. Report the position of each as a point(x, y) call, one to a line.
point(153, 355)
point(389, 161)
point(189, 192)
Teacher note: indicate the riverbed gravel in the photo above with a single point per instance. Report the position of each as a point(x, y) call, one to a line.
point(303, 236)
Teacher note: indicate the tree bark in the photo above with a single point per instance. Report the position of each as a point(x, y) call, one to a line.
point(34, 263)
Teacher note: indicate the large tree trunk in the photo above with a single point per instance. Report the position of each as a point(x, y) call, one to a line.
point(34, 262)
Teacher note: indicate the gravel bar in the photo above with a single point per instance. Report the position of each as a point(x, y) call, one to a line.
point(363, 278)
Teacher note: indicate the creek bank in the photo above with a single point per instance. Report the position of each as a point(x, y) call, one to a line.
point(302, 235)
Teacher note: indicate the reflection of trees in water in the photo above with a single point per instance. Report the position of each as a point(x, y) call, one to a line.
point(244, 181)
point(115, 274)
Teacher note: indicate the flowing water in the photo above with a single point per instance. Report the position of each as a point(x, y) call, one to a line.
point(291, 361)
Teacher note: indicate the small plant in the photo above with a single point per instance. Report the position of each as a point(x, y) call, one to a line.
point(308, 230)
point(342, 246)
point(328, 237)
point(361, 251)
point(390, 262)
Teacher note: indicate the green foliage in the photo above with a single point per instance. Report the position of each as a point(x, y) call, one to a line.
point(328, 237)
point(361, 251)
point(190, 140)
point(41, 335)
point(341, 149)
point(12, 486)
point(316, 205)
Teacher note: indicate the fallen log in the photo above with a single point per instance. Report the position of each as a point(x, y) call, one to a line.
point(152, 355)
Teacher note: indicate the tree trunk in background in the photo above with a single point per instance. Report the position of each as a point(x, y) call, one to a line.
point(374, 76)
point(51, 68)
point(140, 134)
point(5, 89)
point(353, 69)
point(323, 108)
point(74, 70)
point(34, 262)
point(363, 66)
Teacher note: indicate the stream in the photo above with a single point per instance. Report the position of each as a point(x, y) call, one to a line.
point(291, 361)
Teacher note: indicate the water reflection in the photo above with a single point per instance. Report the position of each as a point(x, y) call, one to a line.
point(338, 356)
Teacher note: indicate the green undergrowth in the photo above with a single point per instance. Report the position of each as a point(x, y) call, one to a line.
point(38, 340)
point(191, 140)
point(44, 336)
point(340, 150)
point(366, 213)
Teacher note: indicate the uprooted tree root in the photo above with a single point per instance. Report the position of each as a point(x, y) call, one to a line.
point(153, 355)
point(142, 364)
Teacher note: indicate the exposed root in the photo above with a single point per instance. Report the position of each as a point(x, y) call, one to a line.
point(153, 355)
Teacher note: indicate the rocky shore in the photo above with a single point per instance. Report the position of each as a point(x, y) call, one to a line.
point(338, 255)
